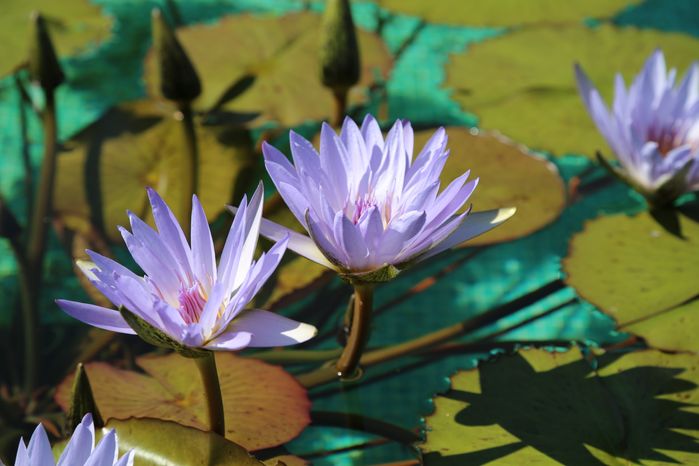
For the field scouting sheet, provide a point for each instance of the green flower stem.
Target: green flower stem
(360, 327)
(212, 389)
(41, 217)
(326, 374)
(340, 100)
(191, 183)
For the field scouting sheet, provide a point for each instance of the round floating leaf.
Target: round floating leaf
(107, 167)
(522, 83)
(264, 406)
(297, 276)
(543, 408)
(506, 12)
(281, 53)
(73, 24)
(509, 177)
(637, 271)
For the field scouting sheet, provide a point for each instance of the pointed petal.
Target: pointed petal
(203, 256)
(106, 452)
(475, 224)
(39, 449)
(80, 445)
(171, 232)
(97, 316)
(269, 329)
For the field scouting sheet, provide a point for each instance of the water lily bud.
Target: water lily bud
(82, 401)
(44, 67)
(339, 51)
(178, 78)
(9, 227)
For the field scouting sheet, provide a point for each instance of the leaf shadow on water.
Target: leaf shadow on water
(632, 415)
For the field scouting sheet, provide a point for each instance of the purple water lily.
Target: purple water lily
(184, 294)
(653, 126)
(80, 450)
(367, 204)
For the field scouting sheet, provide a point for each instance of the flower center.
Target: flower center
(192, 303)
(668, 138)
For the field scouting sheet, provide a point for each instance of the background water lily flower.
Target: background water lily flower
(80, 450)
(367, 205)
(652, 127)
(184, 294)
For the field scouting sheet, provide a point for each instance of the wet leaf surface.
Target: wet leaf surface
(73, 25)
(264, 406)
(536, 407)
(635, 270)
(522, 83)
(506, 12)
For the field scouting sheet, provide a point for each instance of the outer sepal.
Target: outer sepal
(384, 274)
(82, 402)
(156, 337)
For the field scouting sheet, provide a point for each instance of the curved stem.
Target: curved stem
(359, 331)
(340, 99)
(31, 273)
(191, 180)
(212, 389)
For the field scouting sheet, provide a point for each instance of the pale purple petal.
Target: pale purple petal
(230, 341)
(203, 256)
(39, 449)
(97, 316)
(106, 452)
(80, 445)
(171, 232)
(269, 329)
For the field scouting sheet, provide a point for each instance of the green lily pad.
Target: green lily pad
(73, 24)
(264, 406)
(508, 177)
(296, 278)
(282, 54)
(543, 408)
(641, 274)
(506, 12)
(522, 83)
(105, 169)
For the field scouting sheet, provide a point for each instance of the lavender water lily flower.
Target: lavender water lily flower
(369, 208)
(184, 296)
(652, 128)
(80, 450)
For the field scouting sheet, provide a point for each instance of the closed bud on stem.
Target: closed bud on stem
(9, 226)
(179, 80)
(82, 401)
(43, 64)
(339, 51)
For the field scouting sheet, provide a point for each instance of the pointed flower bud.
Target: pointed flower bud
(82, 401)
(179, 80)
(339, 52)
(44, 67)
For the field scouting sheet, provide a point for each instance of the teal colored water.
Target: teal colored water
(111, 73)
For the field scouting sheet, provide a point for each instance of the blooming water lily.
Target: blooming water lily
(652, 127)
(184, 294)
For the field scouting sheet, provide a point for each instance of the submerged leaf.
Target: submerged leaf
(282, 54)
(543, 408)
(522, 83)
(635, 270)
(264, 406)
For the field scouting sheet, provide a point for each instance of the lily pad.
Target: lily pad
(522, 83)
(296, 278)
(282, 55)
(105, 169)
(642, 275)
(264, 406)
(509, 177)
(73, 24)
(543, 408)
(506, 12)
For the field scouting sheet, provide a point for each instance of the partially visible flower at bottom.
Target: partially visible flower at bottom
(185, 301)
(80, 450)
